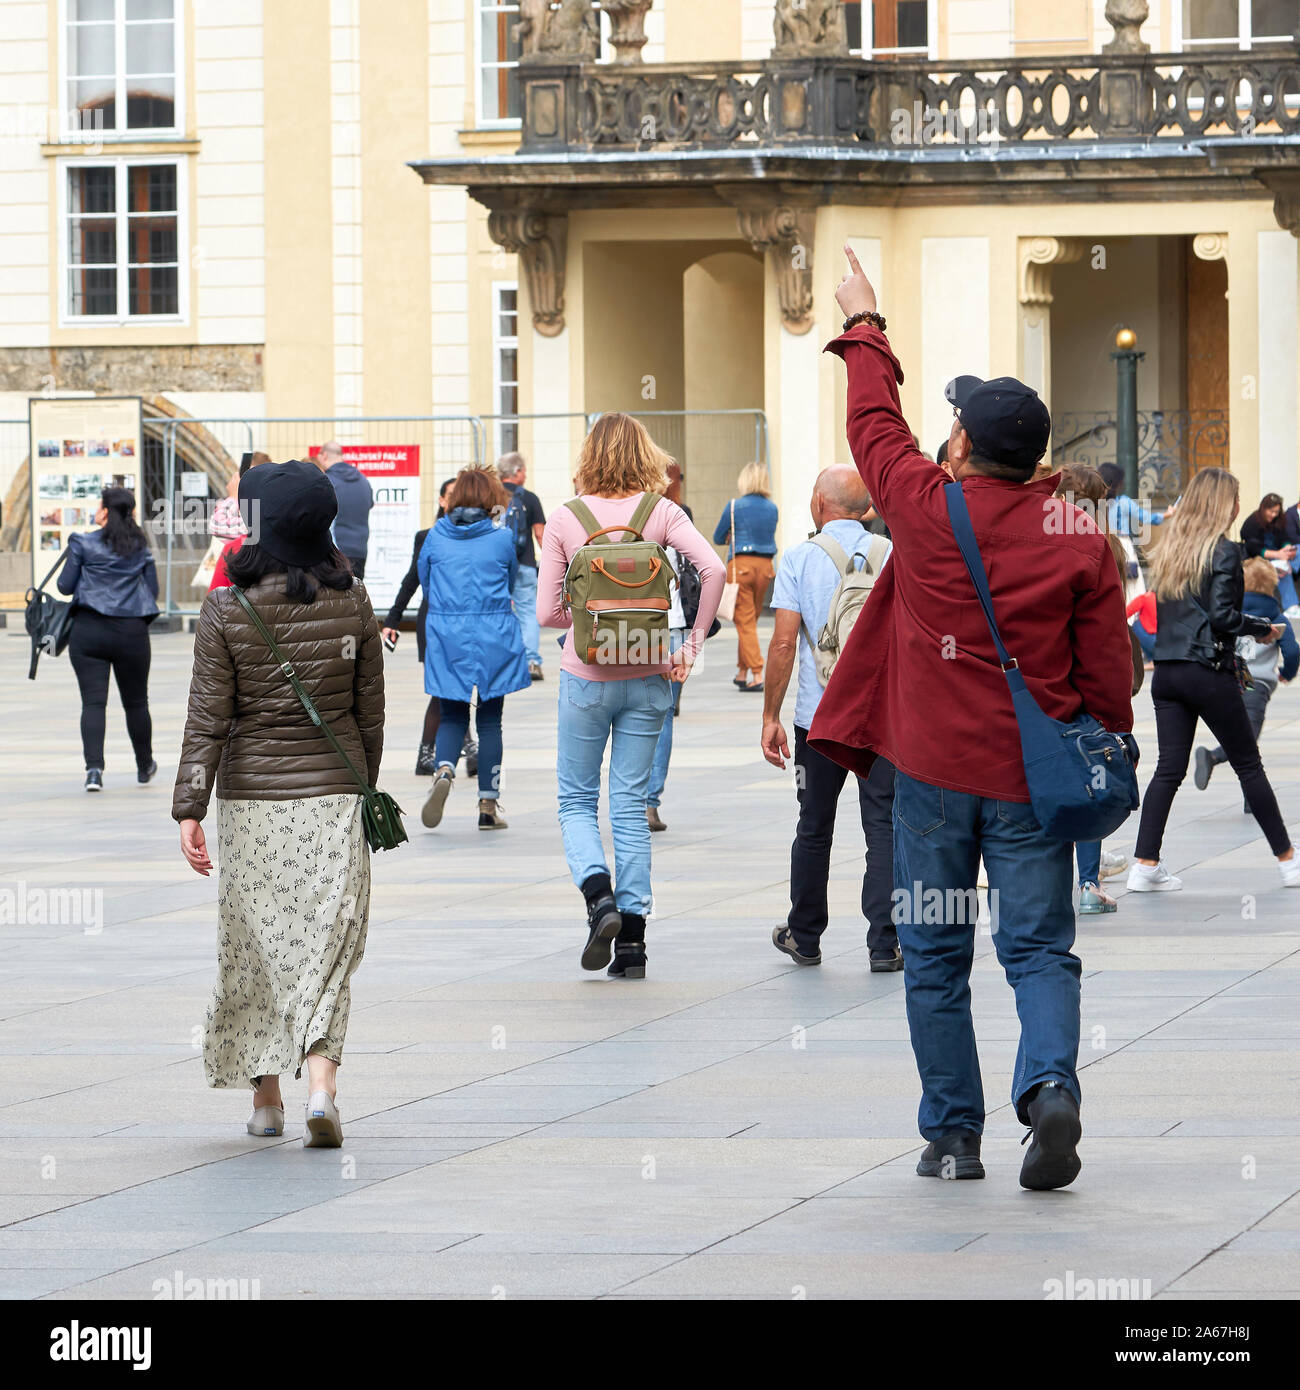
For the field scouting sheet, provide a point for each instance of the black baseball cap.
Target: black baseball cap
(289, 509)
(1006, 420)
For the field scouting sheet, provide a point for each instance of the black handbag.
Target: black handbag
(48, 619)
(381, 816)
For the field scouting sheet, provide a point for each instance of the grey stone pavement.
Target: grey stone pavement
(732, 1127)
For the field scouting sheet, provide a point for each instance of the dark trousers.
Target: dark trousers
(1255, 702)
(1183, 692)
(453, 724)
(97, 646)
(358, 563)
(820, 782)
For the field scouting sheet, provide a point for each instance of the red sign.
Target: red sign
(381, 460)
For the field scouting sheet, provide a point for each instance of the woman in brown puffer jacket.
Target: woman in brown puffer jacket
(294, 864)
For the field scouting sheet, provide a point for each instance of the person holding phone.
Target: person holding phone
(1263, 533)
(1196, 572)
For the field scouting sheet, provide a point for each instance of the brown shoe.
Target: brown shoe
(489, 815)
(652, 818)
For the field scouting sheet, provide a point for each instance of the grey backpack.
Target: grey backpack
(847, 600)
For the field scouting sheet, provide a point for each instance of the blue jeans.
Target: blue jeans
(627, 714)
(664, 748)
(1089, 857)
(939, 836)
(452, 725)
(524, 594)
(1146, 640)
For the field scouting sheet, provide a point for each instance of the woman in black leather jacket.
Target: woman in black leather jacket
(111, 576)
(1196, 574)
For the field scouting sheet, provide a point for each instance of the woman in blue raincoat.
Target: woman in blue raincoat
(472, 637)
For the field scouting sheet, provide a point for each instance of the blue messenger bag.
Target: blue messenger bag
(1082, 778)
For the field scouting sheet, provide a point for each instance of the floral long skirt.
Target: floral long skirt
(294, 899)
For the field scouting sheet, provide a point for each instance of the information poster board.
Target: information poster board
(79, 446)
(394, 474)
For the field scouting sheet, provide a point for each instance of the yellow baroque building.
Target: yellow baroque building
(469, 225)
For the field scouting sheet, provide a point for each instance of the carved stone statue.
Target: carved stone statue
(809, 29)
(1127, 17)
(563, 32)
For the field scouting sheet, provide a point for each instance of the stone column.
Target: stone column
(1284, 308)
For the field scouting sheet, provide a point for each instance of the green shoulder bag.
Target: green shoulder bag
(381, 816)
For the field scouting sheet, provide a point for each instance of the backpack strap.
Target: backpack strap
(839, 556)
(636, 522)
(585, 515)
(877, 554)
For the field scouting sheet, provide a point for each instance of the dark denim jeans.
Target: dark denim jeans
(939, 837)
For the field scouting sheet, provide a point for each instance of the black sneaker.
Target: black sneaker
(425, 762)
(94, 779)
(604, 921)
(628, 962)
(1052, 1160)
(886, 960)
(146, 774)
(1204, 767)
(783, 940)
(956, 1155)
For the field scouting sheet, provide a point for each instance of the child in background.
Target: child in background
(1142, 613)
(1262, 600)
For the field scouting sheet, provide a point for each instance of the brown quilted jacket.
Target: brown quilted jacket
(246, 734)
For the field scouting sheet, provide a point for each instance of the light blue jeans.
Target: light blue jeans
(524, 594)
(627, 714)
(664, 749)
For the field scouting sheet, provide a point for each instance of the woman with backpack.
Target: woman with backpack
(472, 637)
(113, 580)
(1196, 572)
(604, 577)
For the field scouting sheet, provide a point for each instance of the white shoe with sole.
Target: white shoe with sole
(1152, 878)
(1290, 871)
(324, 1128)
(1113, 862)
(267, 1121)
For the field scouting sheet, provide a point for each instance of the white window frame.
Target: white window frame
(1245, 39)
(500, 342)
(482, 64)
(71, 127)
(930, 52)
(67, 319)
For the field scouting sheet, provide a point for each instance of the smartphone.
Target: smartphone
(389, 643)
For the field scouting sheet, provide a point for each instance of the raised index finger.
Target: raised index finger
(853, 260)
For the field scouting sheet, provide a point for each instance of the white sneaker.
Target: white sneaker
(1112, 863)
(1293, 612)
(1152, 878)
(1290, 871)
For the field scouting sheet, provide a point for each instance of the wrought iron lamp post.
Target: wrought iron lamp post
(1126, 358)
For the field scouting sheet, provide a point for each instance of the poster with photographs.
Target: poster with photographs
(79, 446)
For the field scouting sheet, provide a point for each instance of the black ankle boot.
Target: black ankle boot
(628, 962)
(604, 921)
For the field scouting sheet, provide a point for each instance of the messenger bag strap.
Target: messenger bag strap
(40, 588)
(959, 516)
(312, 713)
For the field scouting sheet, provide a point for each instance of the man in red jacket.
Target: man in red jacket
(919, 683)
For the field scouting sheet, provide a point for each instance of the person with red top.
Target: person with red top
(1143, 612)
(919, 684)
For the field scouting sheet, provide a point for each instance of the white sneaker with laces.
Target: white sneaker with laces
(1290, 871)
(1152, 878)
(1113, 862)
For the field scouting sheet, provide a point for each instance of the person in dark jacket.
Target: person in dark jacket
(113, 580)
(919, 684)
(1268, 663)
(294, 890)
(473, 640)
(1264, 533)
(1196, 572)
(355, 498)
(425, 765)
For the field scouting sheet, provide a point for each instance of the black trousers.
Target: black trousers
(97, 646)
(1183, 692)
(820, 783)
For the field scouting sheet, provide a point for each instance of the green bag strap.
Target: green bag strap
(588, 518)
(636, 522)
(312, 713)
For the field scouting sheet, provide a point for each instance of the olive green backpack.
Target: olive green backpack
(619, 593)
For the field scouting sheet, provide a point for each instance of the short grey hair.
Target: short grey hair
(510, 464)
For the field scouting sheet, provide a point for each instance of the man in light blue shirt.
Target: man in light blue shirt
(805, 586)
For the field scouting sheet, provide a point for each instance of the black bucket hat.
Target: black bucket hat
(289, 509)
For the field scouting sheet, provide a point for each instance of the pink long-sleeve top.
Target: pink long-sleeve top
(668, 525)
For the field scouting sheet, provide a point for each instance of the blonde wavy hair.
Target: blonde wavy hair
(619, 458)
(754, 479)
(1183, 546)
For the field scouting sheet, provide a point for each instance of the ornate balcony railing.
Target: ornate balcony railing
(1172, 445)
(1210, 94)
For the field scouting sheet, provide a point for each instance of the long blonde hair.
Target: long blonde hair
(1183, 546)
(754, 479)
(619, 458)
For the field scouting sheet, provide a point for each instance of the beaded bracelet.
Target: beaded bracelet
(867, 316)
